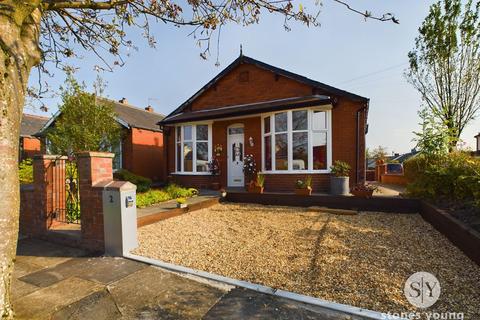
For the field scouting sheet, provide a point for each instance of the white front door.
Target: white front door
(235, 156)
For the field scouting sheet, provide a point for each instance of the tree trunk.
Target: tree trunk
(19, 52)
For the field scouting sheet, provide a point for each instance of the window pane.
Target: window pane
(300, 150)
(319, 120)
(202, 156)
(299, 120)
(235, 130)
(319, 150)
(187, 157)
(281, 152)
(179, 133)
(179, 157)
(268, 153)
(281, 122)
(266, 124)
(187, 133)
(202, 132)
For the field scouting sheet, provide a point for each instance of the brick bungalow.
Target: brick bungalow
(141, 148)
(292, 125)
(29, 144)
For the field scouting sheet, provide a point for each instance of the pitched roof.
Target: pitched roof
(137, 117)
(244, 59)
(127, 115)
(31, 124)
(247, 109)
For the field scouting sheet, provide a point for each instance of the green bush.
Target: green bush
(340, 169)
(25, 171)
(454, 177)
(151, 197)
(143, 184)
(175, 191)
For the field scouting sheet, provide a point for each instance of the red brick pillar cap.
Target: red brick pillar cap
(49, 157)
(95, 154)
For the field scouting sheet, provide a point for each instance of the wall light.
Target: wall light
(250, 140)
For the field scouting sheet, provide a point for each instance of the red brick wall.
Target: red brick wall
(30, 147)
(143, 153)
(263, 85)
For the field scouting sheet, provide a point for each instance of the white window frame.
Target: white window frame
(194, 148)
(309, 170)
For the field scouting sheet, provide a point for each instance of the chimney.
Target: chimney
(149, 109)
(123, 100)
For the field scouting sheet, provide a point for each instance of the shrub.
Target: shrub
(340, 169)
(151, 197)
(455, 177)
(25, 171)
(175, 191)
(143, 184)
(260, 180)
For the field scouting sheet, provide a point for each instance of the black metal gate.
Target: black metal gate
(65, 191)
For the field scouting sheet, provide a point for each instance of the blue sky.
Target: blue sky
(367, 58)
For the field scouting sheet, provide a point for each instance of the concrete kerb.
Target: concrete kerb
(365, 313)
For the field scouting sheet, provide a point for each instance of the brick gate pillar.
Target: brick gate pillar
(94, 172)
(40, 200)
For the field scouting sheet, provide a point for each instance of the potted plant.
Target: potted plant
(182, 203)
(257, 185)
(214, 169)
(339, 181)
(363, 190)
(223, 193)
(249, 169)
(304, 188)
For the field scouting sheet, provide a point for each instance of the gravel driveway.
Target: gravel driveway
(360, 260)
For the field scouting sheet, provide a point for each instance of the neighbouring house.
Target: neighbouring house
(293, 126)
(30, 145)
(476, 153)
(141, 148)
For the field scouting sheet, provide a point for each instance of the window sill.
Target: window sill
(191, 173)
(296, 172)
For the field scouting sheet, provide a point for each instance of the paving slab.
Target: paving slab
(21, 268)
(20, 289)
(246, 304)
(163, 295)
(98, 305)
(45, 254)
(99, 269)
(41, 304)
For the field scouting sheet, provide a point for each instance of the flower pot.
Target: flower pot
(304, 192)
(362, 193)
(339, 186)
(255, 189)
(215, 186)
(182, 205)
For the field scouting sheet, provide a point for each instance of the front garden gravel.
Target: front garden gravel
(361, 260)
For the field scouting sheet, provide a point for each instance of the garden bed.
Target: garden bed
(172, 191)
(361, 260)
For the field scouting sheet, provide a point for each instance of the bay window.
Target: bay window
(296, 141)
(193, 148)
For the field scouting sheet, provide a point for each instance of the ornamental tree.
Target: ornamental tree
(35, 32)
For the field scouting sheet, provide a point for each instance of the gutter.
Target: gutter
(357, 142)
(351, 310)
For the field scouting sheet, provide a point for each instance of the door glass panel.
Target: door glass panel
(202, 156)
(299, 120)
(281, 122)
(281, 152)
(187, 157)
(202, 132)
(319, 150)
(300, 150)
(235, 131)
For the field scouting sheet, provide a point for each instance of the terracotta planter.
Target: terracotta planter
(255, 189)
(215, 186)
(362, 193)
(304, 192)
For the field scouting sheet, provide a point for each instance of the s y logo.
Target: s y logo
(422, 289)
